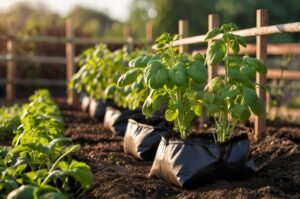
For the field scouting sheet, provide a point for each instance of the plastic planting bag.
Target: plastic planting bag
(116, 120)
(97, 108)
(191, 162)
(85, 103)
(141, 140)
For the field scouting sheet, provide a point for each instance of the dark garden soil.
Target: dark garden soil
(117, 175)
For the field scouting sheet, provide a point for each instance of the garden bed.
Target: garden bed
(117, 175)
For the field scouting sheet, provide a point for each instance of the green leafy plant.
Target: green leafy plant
(276, 87)
(39, 163)
(230, 98)
(9, 120)
(98, 75)
(171, 78)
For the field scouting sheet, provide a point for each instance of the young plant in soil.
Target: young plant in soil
(9, 120)
(230, 98)
(171, 79)
(39, 163)
(99, 69)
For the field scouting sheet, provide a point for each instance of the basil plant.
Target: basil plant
(171, 79)
(232, 97)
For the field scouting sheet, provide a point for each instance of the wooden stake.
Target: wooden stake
(261, 53)
(11, 65)
(149, 32)
(70, 55)
(126, 32)
(213, 22)
(183, 31)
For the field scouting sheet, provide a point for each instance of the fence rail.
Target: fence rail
(250, 32)
(272, 49)
(63, 40)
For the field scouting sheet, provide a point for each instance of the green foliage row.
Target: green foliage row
(9, 120)
(98, 76)
(39, 163)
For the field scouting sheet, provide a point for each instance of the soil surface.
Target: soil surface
(117, 175)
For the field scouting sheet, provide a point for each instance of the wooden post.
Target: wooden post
(126, 31)
(70, 63)
(149, 32)
(183, 31)
(127, 36)
(11, 65)
(213, 22)
(261, 53)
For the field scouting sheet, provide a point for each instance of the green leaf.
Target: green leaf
(171, 113)
(213, 108)
(137, 62)
(178, 77)
(110, 90)
(251, 98)
(257, 108)
(208, 98)
(45, 189)
(211, 34)
(216, 84)
(240, 111)
(128, 78)
(235, 47)
(198, 109)
(24, 191)
(53, 195)
(81, 172)
(248, 72)
(158, 101)
(255, 63)
(241, 40)
(215, 53)
(53, 143)
(197, 72)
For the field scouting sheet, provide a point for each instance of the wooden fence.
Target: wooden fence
(261, 49)
(69, 60)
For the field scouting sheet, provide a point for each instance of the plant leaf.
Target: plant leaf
(171, 113)
(211, 34)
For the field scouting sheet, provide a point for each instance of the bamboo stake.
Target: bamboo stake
(183, 29)
(11, 65)
(261, 53)
(70, 64)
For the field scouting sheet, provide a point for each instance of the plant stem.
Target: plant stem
(55, 165)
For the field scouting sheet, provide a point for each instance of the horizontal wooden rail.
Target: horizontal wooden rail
(75, 40)
(275, 74)
(273, 49)
(35, 59)
(250, 32)
(40, 82)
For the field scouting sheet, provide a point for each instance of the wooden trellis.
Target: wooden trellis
(260, 49)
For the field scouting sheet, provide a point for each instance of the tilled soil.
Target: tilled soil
(117, 175)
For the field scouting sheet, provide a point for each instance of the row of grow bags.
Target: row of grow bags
(186, 163)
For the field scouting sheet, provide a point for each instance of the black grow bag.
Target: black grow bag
(116, 120)
(141, 140)
(191, 162)
(97, 108)
(85, 103)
